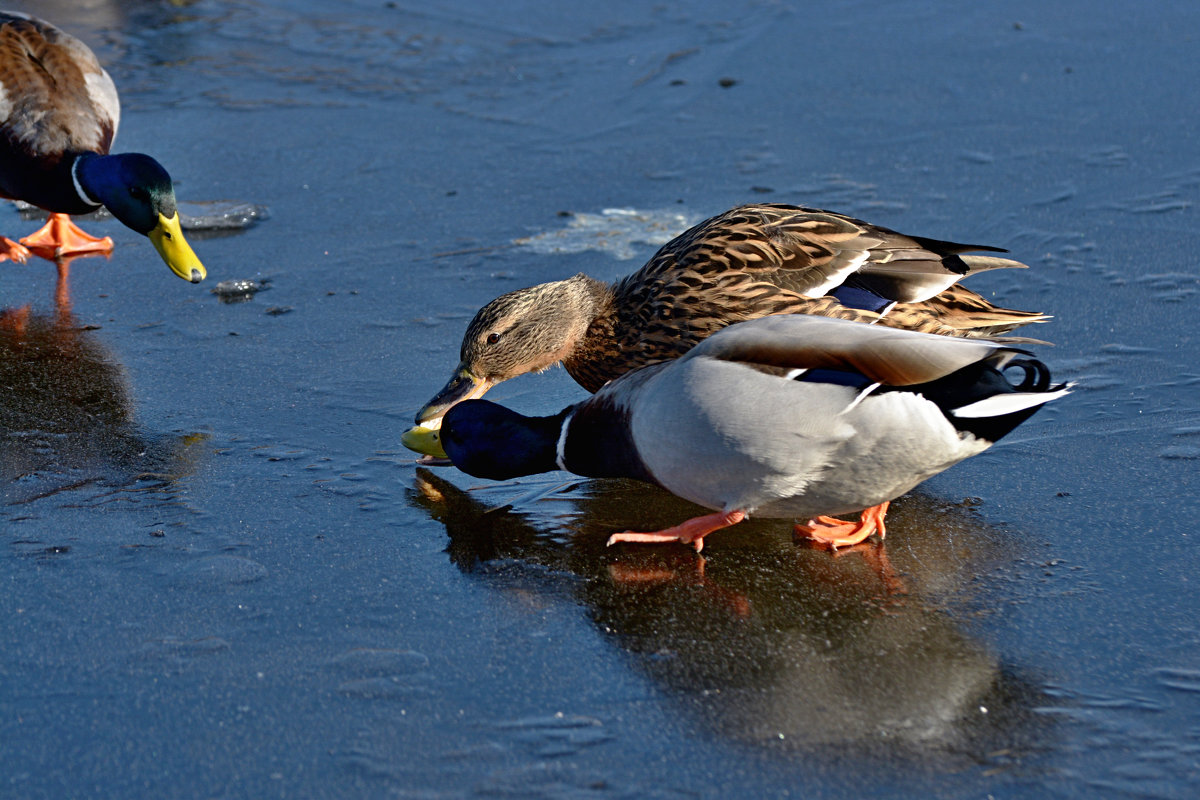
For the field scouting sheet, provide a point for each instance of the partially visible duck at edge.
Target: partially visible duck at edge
(786, 416)
(750, 262)
(59, 113)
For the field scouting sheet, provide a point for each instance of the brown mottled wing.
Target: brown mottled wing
(57, 98)
(960, 310)
(887, 355)
(785, 246)
(758, 260)
(811, 252)
(727, 269)
(664, 317)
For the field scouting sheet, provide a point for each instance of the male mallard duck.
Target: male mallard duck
(750, 262)
(784, 416)
(58, 116)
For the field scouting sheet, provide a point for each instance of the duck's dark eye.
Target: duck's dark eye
(493, 338)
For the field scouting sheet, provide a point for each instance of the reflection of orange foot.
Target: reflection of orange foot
(629, 576)
(61, 237)
(834, 533)
(876, 557)
(690, 532)
(625, 574)
(15, 319)
(13, 250)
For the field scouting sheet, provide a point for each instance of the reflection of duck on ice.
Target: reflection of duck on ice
(773, 644)
(66, 418)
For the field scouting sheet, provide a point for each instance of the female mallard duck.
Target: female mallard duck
(58, 116)
(749, 262)
(785, 416)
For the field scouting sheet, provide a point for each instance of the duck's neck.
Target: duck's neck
(596, 441)
(89, 175)
(593, 298)
(591, 343)
(529, 448)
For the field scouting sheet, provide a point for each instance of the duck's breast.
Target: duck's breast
(900, 439)
(725, 435)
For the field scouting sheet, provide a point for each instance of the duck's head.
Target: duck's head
(528, 330)
(138, 192)
(490, 441)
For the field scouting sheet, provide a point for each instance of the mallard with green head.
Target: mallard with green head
(750, 262)
(786, 416)
(58, 116)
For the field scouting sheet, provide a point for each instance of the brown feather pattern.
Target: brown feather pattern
(44, 74)
(750, 262)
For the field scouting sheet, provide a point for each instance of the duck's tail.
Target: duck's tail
(958, 311)
(985, 401)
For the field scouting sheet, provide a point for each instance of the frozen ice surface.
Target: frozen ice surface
(220, 215)
(239, 290)
(613, 230)
(214, 215)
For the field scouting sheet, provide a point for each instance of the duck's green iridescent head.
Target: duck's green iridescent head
(490, 441)
(138, 192)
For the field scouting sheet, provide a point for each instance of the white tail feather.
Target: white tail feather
(1001, 404)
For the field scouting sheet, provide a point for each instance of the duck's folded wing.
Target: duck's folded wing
(812, 252)
(59, 98)
(916, 275)
(821, 250)
(887, 355)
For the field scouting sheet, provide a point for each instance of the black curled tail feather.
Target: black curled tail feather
(983, 400)
(1035, 377)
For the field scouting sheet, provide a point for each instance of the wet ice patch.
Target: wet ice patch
(370, 662)
(239, 290)
(223, 570)
(614, 230)
(1169, 287)
(382, 687)
(220, 215)
(215, 215)
(557, 734)
(177, 648)
(1110, 156)
(1179, 678)
(1186, 452)
(380, 674)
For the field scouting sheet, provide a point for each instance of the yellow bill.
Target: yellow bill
(167, 238)
(424, 440)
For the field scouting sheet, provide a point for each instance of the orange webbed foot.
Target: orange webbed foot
(690, 532)
(13, 250)
(61, 237)
(834, 533)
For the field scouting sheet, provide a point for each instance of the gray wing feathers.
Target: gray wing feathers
(890, 356)
(914, 277)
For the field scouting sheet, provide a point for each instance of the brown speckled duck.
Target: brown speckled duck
(59, 112)
(752, 261)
